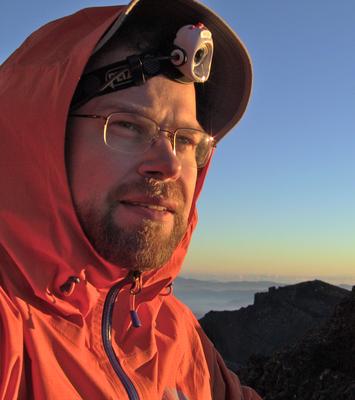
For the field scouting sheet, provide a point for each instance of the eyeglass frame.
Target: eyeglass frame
(171, 135)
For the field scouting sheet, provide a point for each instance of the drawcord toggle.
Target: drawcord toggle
(68, 287)
(135, 289)
(168, 290)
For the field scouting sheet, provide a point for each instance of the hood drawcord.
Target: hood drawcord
(135, 289)
(68, 287)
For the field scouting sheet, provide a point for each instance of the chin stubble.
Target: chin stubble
(143, 247)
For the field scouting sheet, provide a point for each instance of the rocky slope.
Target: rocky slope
(319, 367)
(277, 318)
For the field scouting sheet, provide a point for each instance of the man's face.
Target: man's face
(133, 207)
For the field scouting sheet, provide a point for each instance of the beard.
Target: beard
(144, 246)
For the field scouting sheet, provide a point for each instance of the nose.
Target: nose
(160, 161)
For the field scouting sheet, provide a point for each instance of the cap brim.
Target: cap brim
(222, 100)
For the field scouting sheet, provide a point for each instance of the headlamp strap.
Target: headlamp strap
(135, 70)
(189, 60)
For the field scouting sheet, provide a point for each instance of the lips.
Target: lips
(152, 204)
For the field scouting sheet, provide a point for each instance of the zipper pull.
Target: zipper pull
(135, 289)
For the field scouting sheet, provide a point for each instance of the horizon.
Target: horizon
(277, 279)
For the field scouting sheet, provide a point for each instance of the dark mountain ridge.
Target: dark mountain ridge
(280, 317)
(321, 366)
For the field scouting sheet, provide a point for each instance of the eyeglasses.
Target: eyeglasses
(132, 133)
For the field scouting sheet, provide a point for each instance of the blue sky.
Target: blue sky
(280, 198)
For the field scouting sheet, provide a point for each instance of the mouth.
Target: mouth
(149, 206)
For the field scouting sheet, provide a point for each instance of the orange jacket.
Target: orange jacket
(77, 341)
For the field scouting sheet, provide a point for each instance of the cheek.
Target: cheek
(88, 170)
(97, 173)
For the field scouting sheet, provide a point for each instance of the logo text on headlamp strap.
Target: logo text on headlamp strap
(116, 76)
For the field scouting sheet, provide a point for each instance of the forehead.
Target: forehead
(160, 98)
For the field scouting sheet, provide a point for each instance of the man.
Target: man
(100, 179)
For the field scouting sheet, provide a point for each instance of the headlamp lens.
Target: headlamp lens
(200, 55)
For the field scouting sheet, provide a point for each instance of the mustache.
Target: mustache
(151, 188)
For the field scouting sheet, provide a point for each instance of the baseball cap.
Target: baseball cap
(222, 100)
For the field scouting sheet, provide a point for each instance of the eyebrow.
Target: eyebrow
(117, 106)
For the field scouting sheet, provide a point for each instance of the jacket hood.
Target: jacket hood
(42, 242)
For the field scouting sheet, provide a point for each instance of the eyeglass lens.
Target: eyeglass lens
(132, 133)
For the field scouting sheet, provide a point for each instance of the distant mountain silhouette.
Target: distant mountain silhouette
(280, 317)
(202, 295)
(319, 367)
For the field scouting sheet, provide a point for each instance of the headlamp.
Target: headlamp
(189, 61)
(193, 53)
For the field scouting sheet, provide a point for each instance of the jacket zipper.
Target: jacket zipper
(106, 330)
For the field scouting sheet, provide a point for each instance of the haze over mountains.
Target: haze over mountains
(203, 296)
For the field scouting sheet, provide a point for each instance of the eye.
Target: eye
(123, 126)
(187, 137)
